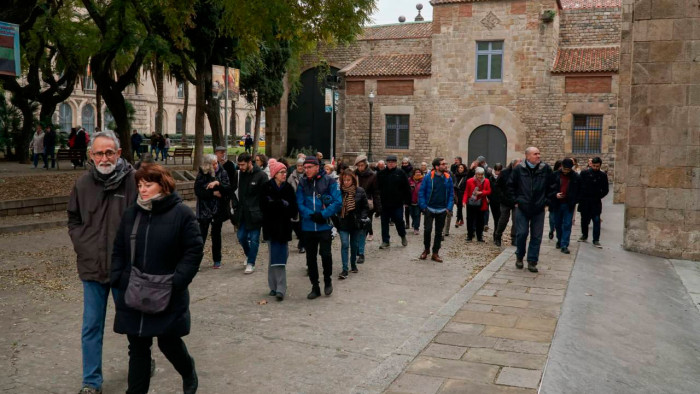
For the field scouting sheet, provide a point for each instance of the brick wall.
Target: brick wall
(587, 27)
(395, 88)
(588, 84)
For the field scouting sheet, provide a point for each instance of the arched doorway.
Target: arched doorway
(308, 122)
(488, 141)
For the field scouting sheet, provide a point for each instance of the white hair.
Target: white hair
(479, 170)
(106, 134)
(205, 165)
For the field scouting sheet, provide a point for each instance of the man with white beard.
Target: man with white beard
(97, 202)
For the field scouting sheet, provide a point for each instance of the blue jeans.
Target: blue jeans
(585, 221)
(350, 239)
(250, 241)
(534, 226)
(395, 215)
(164, 153)
(415, 217)
(95, 296)
(43, 157)
(562, 223)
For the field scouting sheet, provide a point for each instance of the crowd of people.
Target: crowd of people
(136, 239)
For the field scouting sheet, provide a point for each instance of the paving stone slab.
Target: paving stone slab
(533, 323)
(465, 387)
(477, 307)
(511, 345)
(503, 358)
(518, 288)
(539, 313)
(453, 369)
(503, 301)
(539, 290)
(517, 334)
(530, 296)
(444, 351)
(464, 328)
(409, 383)
(468, 340)
(519, 377)
(487, 318)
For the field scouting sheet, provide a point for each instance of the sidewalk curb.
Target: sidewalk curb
(388, 370)
(33, 226)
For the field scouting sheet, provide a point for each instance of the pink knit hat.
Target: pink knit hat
(275, 167)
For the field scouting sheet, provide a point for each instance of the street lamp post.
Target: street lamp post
(371, 105)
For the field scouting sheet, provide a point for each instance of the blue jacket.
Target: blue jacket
(426, 190)
(320, 194)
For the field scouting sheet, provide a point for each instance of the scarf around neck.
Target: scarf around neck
(148, 204)
(349, 200)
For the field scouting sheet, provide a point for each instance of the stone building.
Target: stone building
(80, 108)
(486, 77)
(658, 146)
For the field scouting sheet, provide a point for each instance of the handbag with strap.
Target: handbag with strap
(473, 200)
(146, 292)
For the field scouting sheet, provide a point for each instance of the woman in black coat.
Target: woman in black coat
(351, 221)
(279, 207)
(167, 241)
(212, 188)
(459, 186)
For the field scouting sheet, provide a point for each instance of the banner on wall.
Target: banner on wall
(223, 80)
(9, 49)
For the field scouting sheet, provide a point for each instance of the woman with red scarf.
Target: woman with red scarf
(475, 198)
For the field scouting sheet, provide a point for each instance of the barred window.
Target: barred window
(397, 131)
(489, 61)
(587, 133)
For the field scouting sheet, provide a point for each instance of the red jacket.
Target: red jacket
(485, 189)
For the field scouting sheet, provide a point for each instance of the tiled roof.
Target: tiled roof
(390, 65)
(398, 31)
(437, 2)
(583, 4)
(581, 60)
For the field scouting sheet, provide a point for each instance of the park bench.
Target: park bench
(181, 152)
(69, 154)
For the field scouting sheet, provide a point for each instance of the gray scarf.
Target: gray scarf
(148, 204)
(113, 180)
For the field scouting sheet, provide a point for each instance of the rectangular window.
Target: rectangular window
(588, 133)
(88, 84)
(397, 131)
(180, 90)
(489, 61)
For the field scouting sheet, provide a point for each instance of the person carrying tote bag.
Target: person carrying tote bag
(157, 251)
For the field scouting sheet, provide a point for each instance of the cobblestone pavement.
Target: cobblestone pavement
(498, 341)
(243, 340)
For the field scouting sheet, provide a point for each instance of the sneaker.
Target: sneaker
(469, 239)
(480, 240)
(416, 232)
(272, 293)
(497, 242)
(354, 269)
(280, 296)
(532, 267)
(343, 275)
(404, 241)
(583, 238)
(565, 250)
(249, 268)
(370, 237)
(361, 259)
(315, 293)
(89, 390)
(518, 262)
(328, 289)
(217, 265)
(384, 245)
(597, 244)
(302, 250)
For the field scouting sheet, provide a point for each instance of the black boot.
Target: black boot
(190, 384)
(518, 262)
(315, 292)
(328, 288)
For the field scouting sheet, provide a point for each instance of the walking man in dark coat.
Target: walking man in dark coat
(395, 193)
(97, 202)
(50, 145)
(563, 196)
(528, 184)
(248, 212)
(594, 186)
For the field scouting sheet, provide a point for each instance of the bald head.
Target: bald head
(532, 155)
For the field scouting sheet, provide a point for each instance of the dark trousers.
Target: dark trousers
(407, 216)
(506, 213)
(50, 151)
(215, 236)
(475, 222)
(396, 216)
(534, 226)
(318, 242)
(586, 221)
(460, 209)
(415, 216)
(173, 349)
(496, 212)
(296, 226)
(439, 219)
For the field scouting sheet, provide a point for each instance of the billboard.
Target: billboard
(9, 49)
(220, 80)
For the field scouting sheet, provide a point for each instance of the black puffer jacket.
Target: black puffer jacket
(529, 187)
(356, 219)
(368, 181)
(459, 185)
(247, 207)
(394, 188)
(502, 186)
(209, 206)
(594, 186)
(167, 242)
(572, 190)
(277, 217)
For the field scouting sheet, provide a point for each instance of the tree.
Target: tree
(54, 47)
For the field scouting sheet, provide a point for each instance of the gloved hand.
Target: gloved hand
(318, 218)
(285, 203)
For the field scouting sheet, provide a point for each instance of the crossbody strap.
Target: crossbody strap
(133, 237)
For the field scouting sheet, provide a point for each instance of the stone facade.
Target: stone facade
(530, 104)
(143, 97)
(662, 128)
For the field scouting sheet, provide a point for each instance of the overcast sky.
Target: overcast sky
(388, 11)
